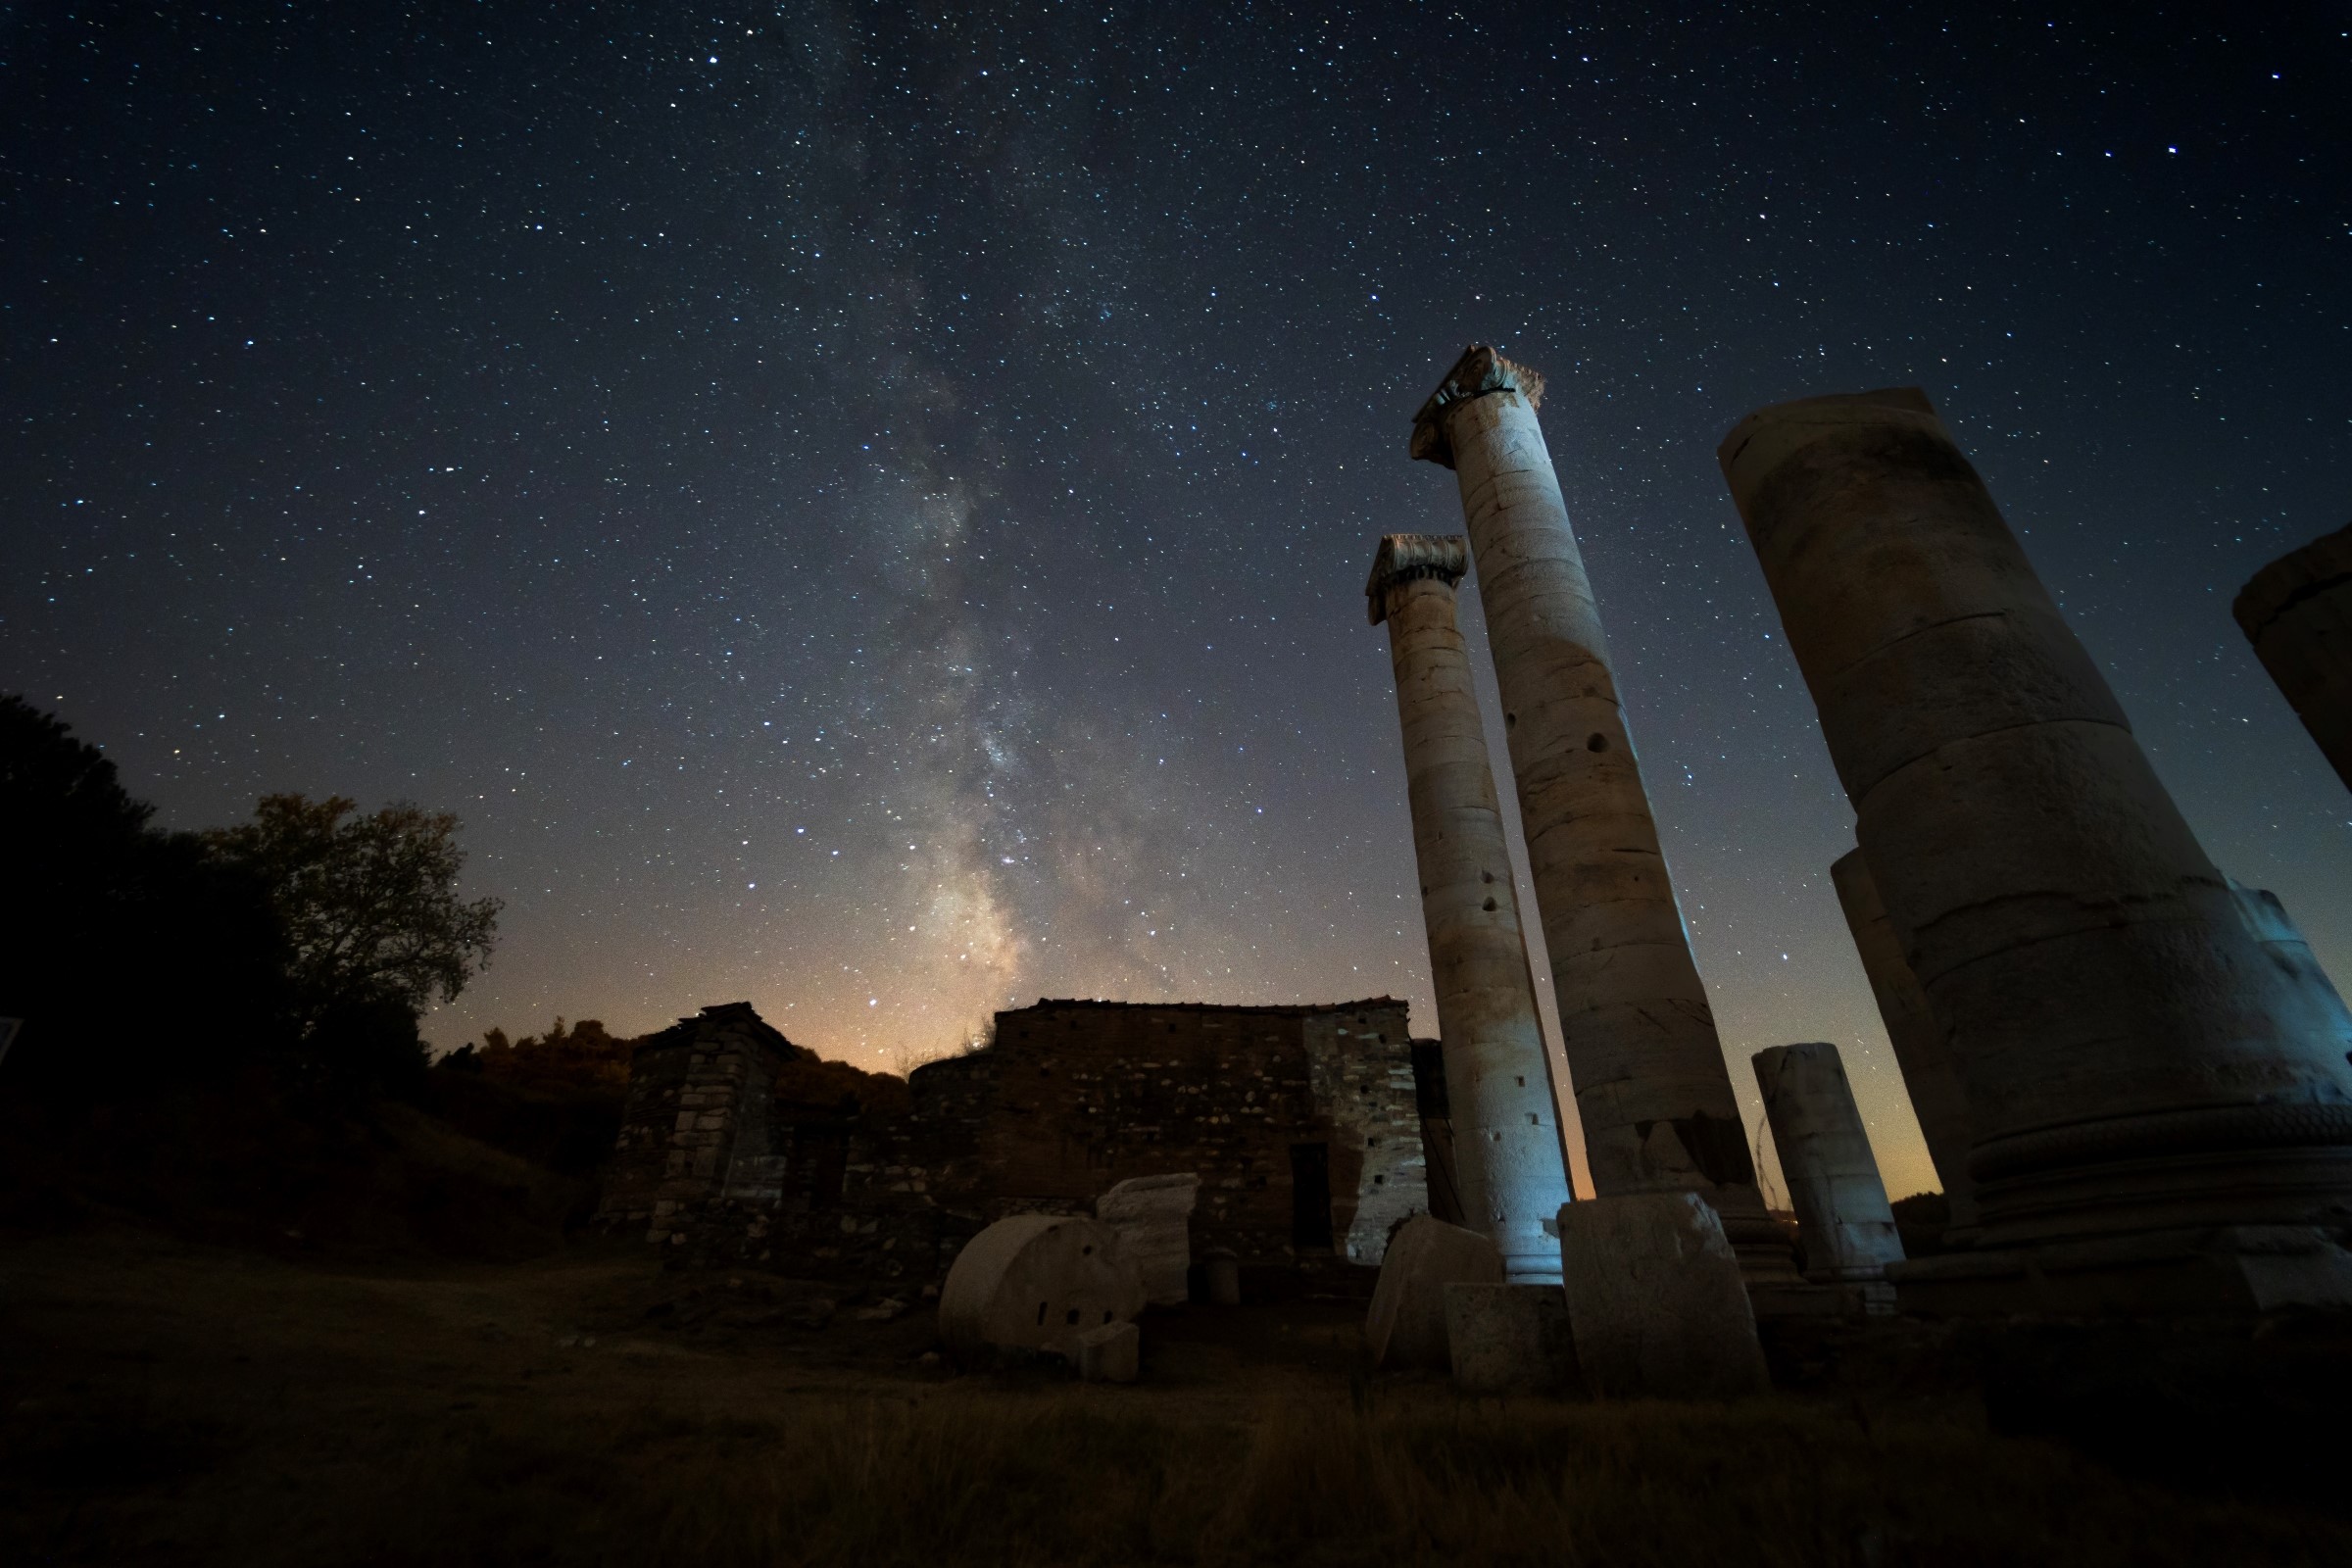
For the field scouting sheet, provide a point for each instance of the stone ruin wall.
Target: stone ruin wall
(1091, 1093)
(1361, 1070)
(1071, 1098)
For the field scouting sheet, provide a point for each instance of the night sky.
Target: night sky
(865, 509)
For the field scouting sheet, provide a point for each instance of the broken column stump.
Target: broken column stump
(1655, 1300)
(1510, 1338)
(1036, 1283)
(1406, 1326)
(2159, 1111)
(1843, 1216)
(1153, 1216)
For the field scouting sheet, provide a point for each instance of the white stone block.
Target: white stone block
(1655, 1300)
(1153, 1215)
(1406, 1326)
(1037, 1282)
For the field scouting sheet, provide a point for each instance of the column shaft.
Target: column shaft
(1834, 1184)
(2135, 1060)
(1651, 1085)
(1937, 1096)
(2297, 613)
(1509, 1160)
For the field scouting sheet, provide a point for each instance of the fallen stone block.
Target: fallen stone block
(1111, 1353)
(1655, 1302)
(1510, 1338)
(1036, 1283)
(1153, 1216)
(1406, 1326)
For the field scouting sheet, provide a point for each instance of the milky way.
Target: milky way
(864, 508)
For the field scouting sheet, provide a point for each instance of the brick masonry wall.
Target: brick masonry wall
(1072, 1097)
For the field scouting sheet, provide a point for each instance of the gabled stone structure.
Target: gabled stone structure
(700, 1092)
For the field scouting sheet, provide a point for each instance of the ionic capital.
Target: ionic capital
(1405, 556)
(1479, 371)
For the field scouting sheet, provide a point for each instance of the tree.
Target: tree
(134, 957)
(369, 903)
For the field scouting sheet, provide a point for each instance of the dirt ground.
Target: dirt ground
(166, 1401)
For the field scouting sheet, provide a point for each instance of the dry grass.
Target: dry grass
(1012, 1476)
(201, 1407)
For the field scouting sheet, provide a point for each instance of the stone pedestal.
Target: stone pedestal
(1406, 1326)
(1510, 1165)
(2297, 613)
(1153, 1216)
(2135, 1061)
(1510, 1338)
(1920, 1049)
(1655, 1300)
(1843, 1222)
(1651, 1087)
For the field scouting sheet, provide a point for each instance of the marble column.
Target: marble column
(2137, 1063)
(1938, 1099)
(1651, 1086)
(1843, 1216)
(2283, 941)
(2297, 613)
(1510, 1165)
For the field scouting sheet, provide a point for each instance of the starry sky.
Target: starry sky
(864, 507)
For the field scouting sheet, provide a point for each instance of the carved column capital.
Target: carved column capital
(1405, 556)
(1479, 371)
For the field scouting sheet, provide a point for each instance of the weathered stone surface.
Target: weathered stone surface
(2297, 613)
(1930, 1076)
(1406, 1326)
(1037, 1282)
(1842, 1217)
(1153, 1215)
(888, 1179)
(1652, 1088)
(2135, 1060)
(1510, 1165)
(1655, 1300)
(2298, 966)
(1510, 1338)
(1111, 1353)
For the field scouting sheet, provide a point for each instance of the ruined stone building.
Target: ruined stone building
(1306, 1124)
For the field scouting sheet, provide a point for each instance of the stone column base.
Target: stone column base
(2223, 1271)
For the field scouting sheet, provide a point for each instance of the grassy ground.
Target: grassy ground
(161, 1401)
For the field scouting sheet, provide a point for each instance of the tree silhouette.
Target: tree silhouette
(368, 902)
(136, 958)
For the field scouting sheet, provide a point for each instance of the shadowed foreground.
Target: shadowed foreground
(165, 1402)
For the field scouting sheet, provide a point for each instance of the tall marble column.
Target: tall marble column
(1651, 1086)
(1843, 1216)
(1937, 1096)
(2297, 613)
(1510, 1164)
(2137, 1064)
